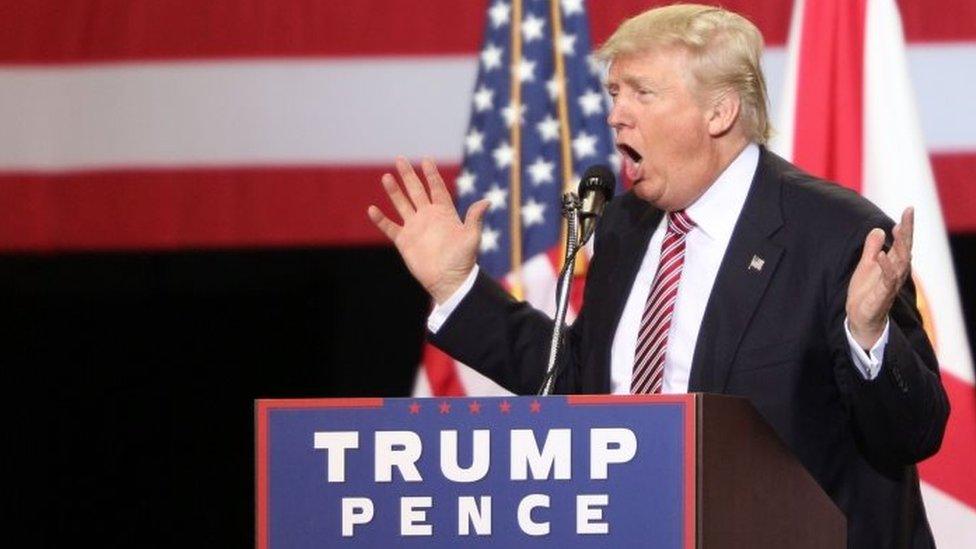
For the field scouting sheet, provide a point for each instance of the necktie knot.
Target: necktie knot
(679, 222)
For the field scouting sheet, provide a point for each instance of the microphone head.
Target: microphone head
(598, 178)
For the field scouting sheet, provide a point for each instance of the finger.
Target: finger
(415, 188)
(475, 215)
(873, 243)
(907, 232)
(399, 200)
(890, 272)
(438, 190)
(389, 228)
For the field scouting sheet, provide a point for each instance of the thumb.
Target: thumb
(872, 245)
(475, 216)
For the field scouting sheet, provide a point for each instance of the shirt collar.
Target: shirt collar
(716, 211)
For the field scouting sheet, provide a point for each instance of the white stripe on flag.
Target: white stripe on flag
(351, 111)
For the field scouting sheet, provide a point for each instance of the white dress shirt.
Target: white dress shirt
(715, 214)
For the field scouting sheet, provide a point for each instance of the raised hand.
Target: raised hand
(438, 248)
(878, 277)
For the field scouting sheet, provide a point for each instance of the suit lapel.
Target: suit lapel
(748, 265)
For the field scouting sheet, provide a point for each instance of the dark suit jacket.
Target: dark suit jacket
(775, 336)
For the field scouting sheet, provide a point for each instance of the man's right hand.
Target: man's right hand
(438, 248)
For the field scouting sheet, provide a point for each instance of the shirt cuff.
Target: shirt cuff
(868, 363)
(440, 313)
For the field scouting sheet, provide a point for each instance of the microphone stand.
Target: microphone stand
(571, 211)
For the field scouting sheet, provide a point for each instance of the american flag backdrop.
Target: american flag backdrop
(538, 119)
(142, 125)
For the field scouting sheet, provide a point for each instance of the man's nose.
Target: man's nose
(618, 116)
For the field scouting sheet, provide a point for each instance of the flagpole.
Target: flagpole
(566, 156)
(515, 135)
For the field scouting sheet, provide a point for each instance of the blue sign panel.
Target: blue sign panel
(519, 471)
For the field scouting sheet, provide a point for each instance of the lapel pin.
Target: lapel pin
(756, 264)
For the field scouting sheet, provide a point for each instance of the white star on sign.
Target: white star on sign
(465, 183)
(532, 27)
(508, 114)
(553, 86)
(491, 57)
(584, 145)
(541, 171)
(572, 6)
(567, 44)
(526, 70)
(532, 213)
(489, 239)
(503, 155)
(548, 128)
(499, 13)
(483, 98)
(473, 141)
(591, 103)
(496, 197)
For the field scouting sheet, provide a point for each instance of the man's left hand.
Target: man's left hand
(878, 277)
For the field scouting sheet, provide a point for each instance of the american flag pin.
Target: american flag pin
(756, 264)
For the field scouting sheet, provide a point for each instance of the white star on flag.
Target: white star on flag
(489, 239)
(553, 86)
(584, 145)
(473, 141)
(567, 44)
(594, 64)
(571, 7)
(508, 114)
(504, 154)
(532, 28)
(532, 212)
(548, 128)
(491, 57)
(614, 160)
(591, 102)
(483, 98)
(541, 171)
(499, 13)
(465, 183)
(526, 70)
(496, 197)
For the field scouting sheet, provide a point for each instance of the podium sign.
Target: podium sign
(512, 472)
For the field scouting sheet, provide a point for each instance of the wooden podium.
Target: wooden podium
(609, 471)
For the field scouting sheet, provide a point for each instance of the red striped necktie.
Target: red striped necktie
(652, 339)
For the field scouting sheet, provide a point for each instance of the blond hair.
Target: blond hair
(724, 49)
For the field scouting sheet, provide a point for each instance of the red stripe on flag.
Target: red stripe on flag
(442, 375)
(829, 124)
(66, 31)
(189, 208)
(180, 208)
(951, 470)
(771, 16)
(60, 31)
(945, 21)
(957, 189)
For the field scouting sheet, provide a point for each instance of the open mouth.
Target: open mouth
(631, 161)
(629, 151)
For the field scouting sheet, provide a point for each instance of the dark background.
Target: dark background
(134, 374)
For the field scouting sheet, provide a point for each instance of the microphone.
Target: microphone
(595, 190)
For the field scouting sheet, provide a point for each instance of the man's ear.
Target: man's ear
(723, 113)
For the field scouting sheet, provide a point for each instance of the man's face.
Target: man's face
(661, 128)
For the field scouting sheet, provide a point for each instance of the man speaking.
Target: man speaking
(725, 270)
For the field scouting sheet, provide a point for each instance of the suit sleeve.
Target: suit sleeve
(900, 415)
(504, 339)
